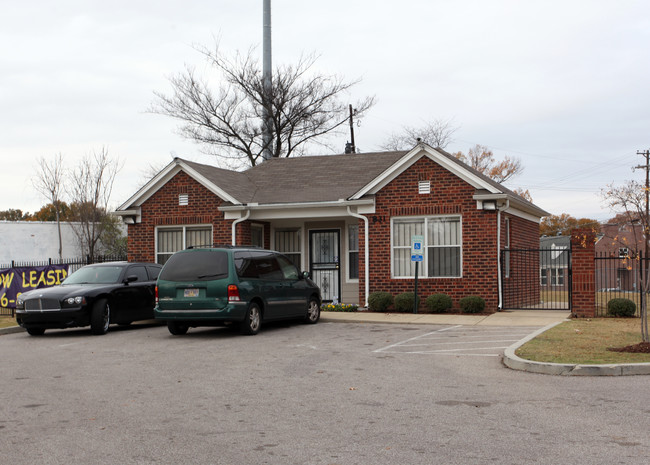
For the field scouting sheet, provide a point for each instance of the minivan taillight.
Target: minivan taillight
(156, 295)
(233, 293)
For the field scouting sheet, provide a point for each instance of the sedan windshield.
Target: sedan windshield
(95, 275)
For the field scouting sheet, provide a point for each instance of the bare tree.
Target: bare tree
(226, 119)
(48, 181)
(630, 200)
(90, 190)
(437, 133)
(482, 159)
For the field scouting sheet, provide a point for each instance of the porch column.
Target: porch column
(583, 291)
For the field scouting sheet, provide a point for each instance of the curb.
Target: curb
(517, 363)
(11, 330)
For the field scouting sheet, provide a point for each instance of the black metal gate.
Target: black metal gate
(536, 279)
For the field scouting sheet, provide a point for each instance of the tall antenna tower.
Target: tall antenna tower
(267, 122)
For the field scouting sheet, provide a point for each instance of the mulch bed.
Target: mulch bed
(640, 348)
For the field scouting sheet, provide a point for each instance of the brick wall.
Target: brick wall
(162, 209)
(449, 196)
(583, 296)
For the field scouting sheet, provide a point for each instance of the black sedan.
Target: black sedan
(95, 295)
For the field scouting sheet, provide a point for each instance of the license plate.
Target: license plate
(191, 293)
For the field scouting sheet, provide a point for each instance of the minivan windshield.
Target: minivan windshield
(197, 265)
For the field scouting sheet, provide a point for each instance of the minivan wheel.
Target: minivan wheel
(176, 328)
(252, 320)
(313, 312)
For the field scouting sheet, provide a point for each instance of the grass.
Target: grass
(6, 321)
(585, 341)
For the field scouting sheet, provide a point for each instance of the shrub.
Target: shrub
(438, 303)
(621, 307)
(339, 308)
(404, 302)
(472, 304)
(380, 301)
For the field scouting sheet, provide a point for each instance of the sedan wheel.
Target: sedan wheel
(36, 331)
(313, 312)
(100, 317)
(252, 321)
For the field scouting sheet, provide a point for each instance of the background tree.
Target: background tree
(437, 133)
(90, 188)
(49, 182)
(562, 224)
(482, 159)
(49, 212)
(14, 215)
(226, 118)
(629, 202)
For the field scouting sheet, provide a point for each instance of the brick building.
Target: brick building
(348, 219)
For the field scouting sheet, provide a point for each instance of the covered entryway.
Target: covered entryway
(324, 262)
(536, 279)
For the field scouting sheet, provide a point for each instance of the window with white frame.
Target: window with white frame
(557, 276)
(172, 239)
(287, 241)
(543, 277)
(353, 251)
(442, 243)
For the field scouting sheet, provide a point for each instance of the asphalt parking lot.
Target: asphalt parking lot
(332, 393)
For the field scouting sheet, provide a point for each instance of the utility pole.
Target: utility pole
(646, 221)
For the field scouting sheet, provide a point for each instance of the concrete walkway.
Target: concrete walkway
(505, 318)
(545, 319)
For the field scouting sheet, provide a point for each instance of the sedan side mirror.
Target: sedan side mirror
(305, 275)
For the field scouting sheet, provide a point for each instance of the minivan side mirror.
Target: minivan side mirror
(130, 279)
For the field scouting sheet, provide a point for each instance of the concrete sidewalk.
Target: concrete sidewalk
(505, 318)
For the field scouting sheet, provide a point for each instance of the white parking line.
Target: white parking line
(457, 342)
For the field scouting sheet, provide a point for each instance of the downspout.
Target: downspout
(499, 277)
(234, 226)
(366, 253)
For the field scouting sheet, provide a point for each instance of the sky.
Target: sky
(562, 85)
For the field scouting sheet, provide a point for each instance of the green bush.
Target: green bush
(438, 303)
(472, 304)
(621, 308)
(380, 301)
(404, 302)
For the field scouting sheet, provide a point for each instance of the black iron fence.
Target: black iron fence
(619, 277)
(536, 279)
(73, 265)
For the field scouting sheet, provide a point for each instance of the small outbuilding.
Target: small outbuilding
(347, 219)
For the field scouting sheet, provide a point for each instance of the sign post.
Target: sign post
(416, 256)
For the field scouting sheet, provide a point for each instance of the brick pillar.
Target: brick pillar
(583, 255)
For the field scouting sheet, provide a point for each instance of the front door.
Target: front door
(324, 262)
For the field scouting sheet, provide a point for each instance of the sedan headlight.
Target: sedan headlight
(78, 300)
(20, 303)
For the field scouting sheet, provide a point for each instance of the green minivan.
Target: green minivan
(242, 285)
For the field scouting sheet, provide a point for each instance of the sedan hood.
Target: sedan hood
(64, 291)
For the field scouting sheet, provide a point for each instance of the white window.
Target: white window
(173, 239)
(287, 241)
(623, 252)
(442, 245)
(557, 276)
(353, 251)
(543, 277)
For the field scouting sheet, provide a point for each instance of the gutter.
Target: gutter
(366, 253)
(235, 223)
(499, 277)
